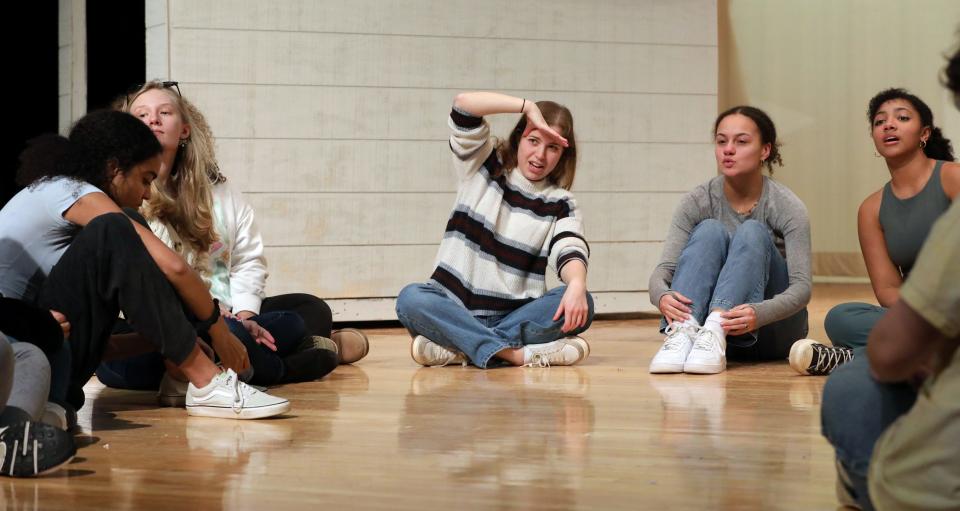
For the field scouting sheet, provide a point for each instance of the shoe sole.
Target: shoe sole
(219, 412)
(704, 368)
(666, 368)
(796, 355)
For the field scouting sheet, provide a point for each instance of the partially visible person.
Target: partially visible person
(28, 445)
(893, 222)
(893, 416)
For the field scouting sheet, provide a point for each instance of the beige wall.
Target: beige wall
(813, 65)
(330, 116)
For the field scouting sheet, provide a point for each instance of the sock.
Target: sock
(713, 324)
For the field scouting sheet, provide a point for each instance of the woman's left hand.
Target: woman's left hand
(739, 320)
(260, 334)
(573, 307)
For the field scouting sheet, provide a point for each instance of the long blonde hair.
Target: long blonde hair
(184, 202)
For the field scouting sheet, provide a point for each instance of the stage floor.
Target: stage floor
(388, 434)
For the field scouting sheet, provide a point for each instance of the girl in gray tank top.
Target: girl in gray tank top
(906, 222)
(894, 222)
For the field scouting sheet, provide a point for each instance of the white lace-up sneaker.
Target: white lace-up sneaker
(562, 352)
(707, 355)
(675, 349)
(428, 353)
(227, 397)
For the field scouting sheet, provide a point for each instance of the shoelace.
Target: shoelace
(705, 339)
(240, 392)
(448, 356)
(539, 360)
(828, 358)
(673, 331)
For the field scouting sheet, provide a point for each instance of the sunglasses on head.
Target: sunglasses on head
(166, 85)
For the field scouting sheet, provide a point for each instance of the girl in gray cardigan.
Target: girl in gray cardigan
(736, 261)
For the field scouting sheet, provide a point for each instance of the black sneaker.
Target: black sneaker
(33, 448)
(812, 358)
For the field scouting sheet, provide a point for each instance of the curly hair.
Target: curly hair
(559, 117)
(98, 142)
(938, 147)
(184, 201)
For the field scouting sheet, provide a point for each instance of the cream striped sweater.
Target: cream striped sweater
(504, 231)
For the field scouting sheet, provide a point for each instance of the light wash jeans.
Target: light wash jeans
(425, 309)
(717, 269)
(855, 411)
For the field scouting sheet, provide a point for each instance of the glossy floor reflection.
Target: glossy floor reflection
(388, 434)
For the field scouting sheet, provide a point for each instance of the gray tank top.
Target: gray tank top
(906, 222)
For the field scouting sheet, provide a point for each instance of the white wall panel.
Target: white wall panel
(331, 118)
(420, 218)
(285, 165)
(665, 22)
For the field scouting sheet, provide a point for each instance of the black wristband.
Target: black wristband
(202, 326)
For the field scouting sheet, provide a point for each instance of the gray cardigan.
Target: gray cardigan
(779, 209)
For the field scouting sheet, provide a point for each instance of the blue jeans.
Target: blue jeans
(425, 309)
(849, 324)
(717, 269)
(856, 410)
(143, 372)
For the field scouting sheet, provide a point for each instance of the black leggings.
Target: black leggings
(315, 312)
(108, 269)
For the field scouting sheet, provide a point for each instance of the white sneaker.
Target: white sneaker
(562, 352)
(674, 351)
(227, 397)
(172, 392)
(707, 355)
(428, 353)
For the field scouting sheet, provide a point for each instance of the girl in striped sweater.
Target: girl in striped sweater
(487, 300)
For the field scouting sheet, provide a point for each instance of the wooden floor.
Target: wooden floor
(388, 434)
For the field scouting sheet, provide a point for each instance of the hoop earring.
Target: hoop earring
(923, 144)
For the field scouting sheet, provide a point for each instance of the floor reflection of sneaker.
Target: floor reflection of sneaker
(353, 344)
(562, 352)
(226, 397)
(238, 438)
(428, 353)
(707, 356)
(34, 448)
(425, 381)
(674, 351)
(172, 392)
(813, 358)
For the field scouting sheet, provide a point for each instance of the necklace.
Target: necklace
(748, 210)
